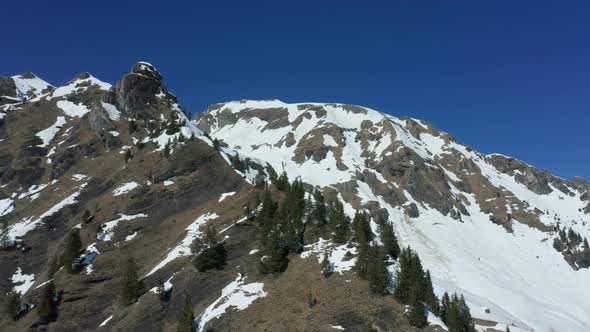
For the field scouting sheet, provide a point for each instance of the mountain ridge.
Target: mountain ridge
(487, 226)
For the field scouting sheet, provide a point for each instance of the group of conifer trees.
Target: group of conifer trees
(282, 232)
(281, 225)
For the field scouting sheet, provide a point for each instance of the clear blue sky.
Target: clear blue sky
(503, 76)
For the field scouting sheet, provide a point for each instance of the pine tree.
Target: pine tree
(210, 252)
(186, 323)
(404, 276)
(389, 240)
(341, 223)
(70, 258)
(326, 265)
(319, 210)
(129, 286)
(377, 270)
(216, 144)
(11, 305)
(417, 312)
(46, 309)
(282, 182)
(362, 228)
(445, 304)
(166, 152)
(429, 297)
(277, 252)
(260, 180)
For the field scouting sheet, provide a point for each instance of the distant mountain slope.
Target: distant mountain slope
(486, 225)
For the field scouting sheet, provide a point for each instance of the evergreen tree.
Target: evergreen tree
(377, 270)
(46, 309)
(129, 286)
(260, 180)
(282, 182)
(340, 222)
(362, 228)
(186, 323)
(389, 240)
(326, 265)
(71, 255)
(319, 209)
(11, 305)
(455, 314)
(445, 304)
(167, 149)
(429, 297)
(210, 252)
(277, 252)
(216, 144)
(417, 314)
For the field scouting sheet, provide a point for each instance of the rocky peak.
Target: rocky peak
(146, 69)
(137, 93)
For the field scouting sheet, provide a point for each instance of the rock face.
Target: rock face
(135, 94)
(7, 90)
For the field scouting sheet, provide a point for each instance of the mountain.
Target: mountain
(485, 225)
(118, 212)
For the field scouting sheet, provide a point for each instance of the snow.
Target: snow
(168, 183)
(44, 283)
(33, 192)
(434, 320)
(26, 85)
(106, 321)
(130, 236)
(46, 135)
(499, 271)
(125, 188)
(112, 111)
(71, 109)
(79, 85)
(107, 230)
(6, 206)
(23, 282)
(236, 295)
(338, 327)
(79, 177)
(28, 224)
(337, 255)
(226, 195)
(114, 133)
(253, 251)
(184, 248)
(89, 256)
(167, 286)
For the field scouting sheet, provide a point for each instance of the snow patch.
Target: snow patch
(237, 295)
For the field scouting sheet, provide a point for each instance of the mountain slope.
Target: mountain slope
(122, 166)
(485, 225)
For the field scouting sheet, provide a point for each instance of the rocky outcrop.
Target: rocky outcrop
(135, 94)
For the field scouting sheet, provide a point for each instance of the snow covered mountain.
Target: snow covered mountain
(123, 168)
(485, 225)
